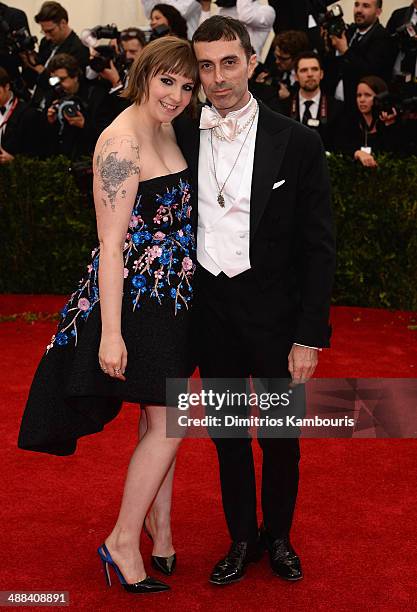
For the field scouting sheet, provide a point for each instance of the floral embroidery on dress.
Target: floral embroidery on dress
(158, 262)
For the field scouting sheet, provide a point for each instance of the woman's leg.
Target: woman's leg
(148, 467)
(158, 521)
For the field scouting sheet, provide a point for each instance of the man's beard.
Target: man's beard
(312, 86)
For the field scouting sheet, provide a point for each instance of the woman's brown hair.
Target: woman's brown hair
(168, 54)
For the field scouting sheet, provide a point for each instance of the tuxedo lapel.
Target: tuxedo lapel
(271, 143)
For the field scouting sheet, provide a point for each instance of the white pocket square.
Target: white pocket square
(278, 184)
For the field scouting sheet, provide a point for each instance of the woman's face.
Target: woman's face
(364, 98)
(158, 19)
(169, 94)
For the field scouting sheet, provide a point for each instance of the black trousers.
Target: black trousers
(238, 337)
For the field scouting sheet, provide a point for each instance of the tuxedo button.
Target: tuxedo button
(238, 252)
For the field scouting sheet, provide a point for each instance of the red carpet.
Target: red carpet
(355, 525)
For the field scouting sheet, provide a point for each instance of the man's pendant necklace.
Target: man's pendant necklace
(220, 196)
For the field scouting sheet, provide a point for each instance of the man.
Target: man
(366, 48)
(312, 106)
(14, 19)
(59, 38)
(405, 66)
(19, 124)
(71, 131)
(266, 259)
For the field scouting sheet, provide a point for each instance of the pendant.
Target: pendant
(220, 200)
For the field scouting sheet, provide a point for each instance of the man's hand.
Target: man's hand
(302, 362)
(283, 92)
(77, 121)
(262, 76)
(111, 74)
(51, 114)
(30, 60)
(5, 157)
(340, 43)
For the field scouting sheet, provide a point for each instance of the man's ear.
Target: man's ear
(252, 64)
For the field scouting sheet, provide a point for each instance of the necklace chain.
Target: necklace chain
(220, 196)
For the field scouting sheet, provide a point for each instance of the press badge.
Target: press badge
(367, 150)
(313, 123)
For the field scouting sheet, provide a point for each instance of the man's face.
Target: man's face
(365, 13)
(69, 84)
(283, 60)
(55, 32)
(224, 72)
(132, 48)
(4, 94)
(309, 74)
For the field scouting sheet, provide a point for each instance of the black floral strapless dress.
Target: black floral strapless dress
(70, 395)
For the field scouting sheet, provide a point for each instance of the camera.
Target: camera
(66, 105)
(15, 42)
(386, 102)
(106, 53)
(406, 37)
(332, 21)
(159, 31)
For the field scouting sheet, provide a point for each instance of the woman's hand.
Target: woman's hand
(366, 159)
(112, 356)
(389, 118)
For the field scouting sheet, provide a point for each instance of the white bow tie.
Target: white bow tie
(227, 125)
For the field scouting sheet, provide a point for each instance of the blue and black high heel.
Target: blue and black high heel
(148, 585)
(166, 565)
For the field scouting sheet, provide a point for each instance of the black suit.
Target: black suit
(16, 19)
(399, 17)
(246, 325)
(332, 129)
(372, 54)
(22, 134)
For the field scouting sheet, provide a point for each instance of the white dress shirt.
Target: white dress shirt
(189, 9)
(4, 115)
(258, 19)
(223, 233)
(314, 108)
(401, 55)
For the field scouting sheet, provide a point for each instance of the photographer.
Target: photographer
(372, 130)
(71, 106)
(11, 20)
(402, 26)
(364, 48)
(167, 20)
(312, 107)
(189, 9)
(19, 124)
(275, 85)
(59, 38)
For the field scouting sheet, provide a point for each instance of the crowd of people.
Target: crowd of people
(355, 84)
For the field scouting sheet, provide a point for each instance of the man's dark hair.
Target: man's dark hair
(308, 55)
(4, 77)
(223, 28)
(132, 34)
(292, 42)
(68, 62)
(51, 11)
(176, 22)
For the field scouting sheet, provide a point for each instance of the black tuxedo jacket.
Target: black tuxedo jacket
(374, 54)
(292, 249)
(399, 18)
(22, 134)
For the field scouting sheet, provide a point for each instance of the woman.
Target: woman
(165, 16)
(125, 329)
(370, 130)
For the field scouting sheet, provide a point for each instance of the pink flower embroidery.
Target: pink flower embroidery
(89, 268)
(125, 272)
(133, 221)
(83, 304)
(187, 264)
(159, 235)
(156, 251)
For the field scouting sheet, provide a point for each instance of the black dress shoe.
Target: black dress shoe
(232, 567)
(282, 557)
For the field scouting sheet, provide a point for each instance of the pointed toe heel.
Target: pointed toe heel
(148, 585)
(166, 565)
